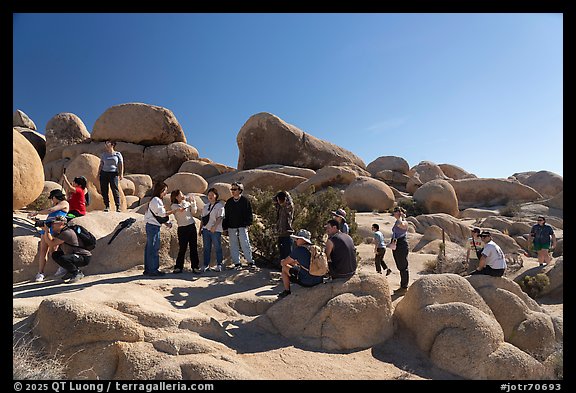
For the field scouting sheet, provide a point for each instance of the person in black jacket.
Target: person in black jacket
(237, 219)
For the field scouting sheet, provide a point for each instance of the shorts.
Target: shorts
(541, 246)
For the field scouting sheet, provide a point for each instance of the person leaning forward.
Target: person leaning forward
(70, 254)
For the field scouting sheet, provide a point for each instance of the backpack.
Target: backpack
(318, 261)
(86, 238)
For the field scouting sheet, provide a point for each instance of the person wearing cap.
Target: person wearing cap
(60, 207)
(237, 219)
(474, 247)
(542, 237)
(69, 253)
(77, 195)
(284, 216)
(291, 265)
(340, 251)
(492, 262)
(400, 252)
(340, 216)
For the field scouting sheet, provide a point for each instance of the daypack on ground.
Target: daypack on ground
(87, 240)
(318, 261)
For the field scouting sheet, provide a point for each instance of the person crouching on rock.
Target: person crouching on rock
(70, 254)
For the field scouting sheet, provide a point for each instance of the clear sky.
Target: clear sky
(483, 91)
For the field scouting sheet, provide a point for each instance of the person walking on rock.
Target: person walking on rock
(379, 250)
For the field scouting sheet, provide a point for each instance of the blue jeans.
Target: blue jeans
(209, 238)
(239, 238)
(151, 257)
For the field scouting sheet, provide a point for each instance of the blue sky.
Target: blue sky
(480, 91)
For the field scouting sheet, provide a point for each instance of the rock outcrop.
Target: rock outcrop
(27, 172)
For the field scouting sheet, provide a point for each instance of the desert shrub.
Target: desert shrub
(534, 285)
(29, 363)
(311, 211)
(511, 209)
(41, 203)
(450, 263)
(413, 208)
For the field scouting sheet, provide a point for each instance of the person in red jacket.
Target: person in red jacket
(76, 195)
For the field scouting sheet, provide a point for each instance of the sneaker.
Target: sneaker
(284, 293)
(197, 271)
(117, 210)
(157, 273)
(543, 264)
(218, 268)
(379, 271)
(106, 209)
(39, 277)
(77, 277)
(177, 270)
(252, 266)
(238, 267)
(60, 272)
(67, 276)
(388, 271)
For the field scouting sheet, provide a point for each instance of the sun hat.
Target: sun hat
(340, 213)
(304, 235)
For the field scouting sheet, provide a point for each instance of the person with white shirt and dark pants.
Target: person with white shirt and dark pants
(155, 216)
(187, 236)
(492, 262)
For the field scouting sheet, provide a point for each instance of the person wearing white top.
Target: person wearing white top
(211, 229)
(186, 230)
(492, 262)
(154, 212)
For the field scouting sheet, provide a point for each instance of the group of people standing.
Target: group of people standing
(234, 217)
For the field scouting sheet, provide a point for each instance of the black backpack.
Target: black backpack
(87, 239)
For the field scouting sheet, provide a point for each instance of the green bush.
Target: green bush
(512, 209)
(41, 203)
(311, 211)
(413, 208)
(534, 285)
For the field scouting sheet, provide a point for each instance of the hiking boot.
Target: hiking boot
(67, 276)
(60, 272)
(77, 277)
(106, 209)
(284, 293)
(39, 277)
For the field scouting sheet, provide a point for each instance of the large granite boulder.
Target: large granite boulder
(21, 119)
(390, 163)
(438, 196)
(62, 130)
(328, 316)
(547, 183)
(266, 139)
(366, 194)
(138, 123)
(27, 172)
(482, 192)
(422, 173)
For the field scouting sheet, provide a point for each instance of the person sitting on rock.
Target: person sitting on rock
(493, 261)
(474, 248)
(70, 254)
(60, 207)
(292, 265)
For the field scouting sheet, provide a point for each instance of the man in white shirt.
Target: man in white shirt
(492, 262)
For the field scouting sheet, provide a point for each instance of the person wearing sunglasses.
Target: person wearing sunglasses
(542, 236)
(492, 262)
(237, 219)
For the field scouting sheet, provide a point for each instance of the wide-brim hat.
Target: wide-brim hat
(304, 235)
(340, 213)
